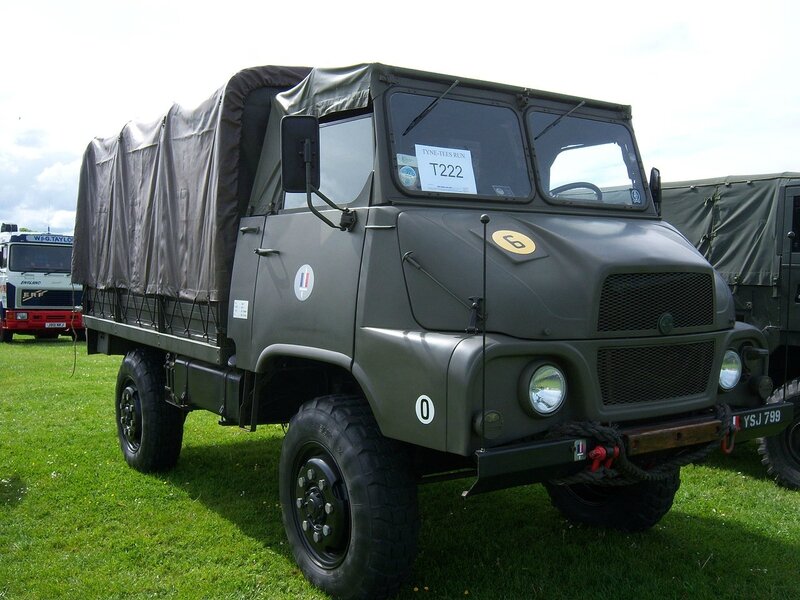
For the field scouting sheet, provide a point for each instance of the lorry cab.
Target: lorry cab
(581, 274)
(36, 294)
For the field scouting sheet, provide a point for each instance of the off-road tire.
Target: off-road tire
(635, 507)
(150, 431)
(7, 336)
(368, 486)
(781, 453)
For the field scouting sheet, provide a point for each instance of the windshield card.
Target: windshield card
(445, 170)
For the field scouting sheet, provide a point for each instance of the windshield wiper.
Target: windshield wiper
(558, 120)
(429, 108)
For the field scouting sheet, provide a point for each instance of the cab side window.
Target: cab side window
(347, 152)
(3, 257)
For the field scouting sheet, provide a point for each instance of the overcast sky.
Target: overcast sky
(714, 85)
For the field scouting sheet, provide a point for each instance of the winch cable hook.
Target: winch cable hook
(605, 455)
(729, 437)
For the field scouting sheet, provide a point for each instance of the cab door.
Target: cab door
(307, 277)
(3, 278)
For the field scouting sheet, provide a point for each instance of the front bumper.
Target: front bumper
(521, 464)
(42, 321)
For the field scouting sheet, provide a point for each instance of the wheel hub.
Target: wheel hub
(322, 510)
(128, 419)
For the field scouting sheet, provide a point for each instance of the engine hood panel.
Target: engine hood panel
(545, 273)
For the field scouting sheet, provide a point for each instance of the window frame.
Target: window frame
(14, 269)
(456, 95)
(319, 203)
(556, 201)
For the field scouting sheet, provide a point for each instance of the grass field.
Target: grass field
(76, 522)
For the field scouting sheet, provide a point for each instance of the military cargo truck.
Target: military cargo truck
(748, 227)
(427, 278)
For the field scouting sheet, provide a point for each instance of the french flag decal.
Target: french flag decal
(304, 283)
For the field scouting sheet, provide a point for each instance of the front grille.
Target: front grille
(636, 301)
(49, 298)
(646, 373)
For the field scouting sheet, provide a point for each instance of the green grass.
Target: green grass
(76, 522)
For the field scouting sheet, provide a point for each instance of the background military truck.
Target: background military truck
(36, 294)
(427, 278)
(742, 225)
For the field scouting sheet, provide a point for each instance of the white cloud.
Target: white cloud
(62, 221)
(8, 165)
(58, 221)
(59, 177)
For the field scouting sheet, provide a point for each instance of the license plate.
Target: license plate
(762, 417)
(55, 325)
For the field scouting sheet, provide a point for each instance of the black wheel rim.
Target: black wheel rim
(321, 506)
(130, 417)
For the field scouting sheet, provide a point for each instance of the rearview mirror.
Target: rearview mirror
(299, 150)
(655, 188)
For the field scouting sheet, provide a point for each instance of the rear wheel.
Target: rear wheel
(150, 431)
(349, 500)
(781, 452)
(634, 507)
(6, 335)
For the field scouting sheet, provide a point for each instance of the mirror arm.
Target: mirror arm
(348, 219)
(318, 214)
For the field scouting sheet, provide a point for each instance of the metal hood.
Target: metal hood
(558, 276)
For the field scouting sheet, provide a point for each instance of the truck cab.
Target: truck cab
(37, 296)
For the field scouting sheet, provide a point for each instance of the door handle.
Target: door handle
(265, 251)
(250, 229)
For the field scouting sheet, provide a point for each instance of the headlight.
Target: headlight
(547, 390)
(731, 370)
(22, 316)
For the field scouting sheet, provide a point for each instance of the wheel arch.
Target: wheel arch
(293, 374)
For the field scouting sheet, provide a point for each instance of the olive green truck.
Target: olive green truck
(426, 277)
(748, 227)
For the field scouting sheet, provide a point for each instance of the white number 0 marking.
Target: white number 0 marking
(425, 410)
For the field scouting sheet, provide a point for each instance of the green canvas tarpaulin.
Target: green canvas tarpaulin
(733, 221)
(159, 204)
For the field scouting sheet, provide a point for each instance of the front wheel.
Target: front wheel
(150, 431)
(634, 507)
(781, 453)
(349, 500)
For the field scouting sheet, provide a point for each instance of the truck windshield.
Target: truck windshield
(40, 258)
(459, 147)
(585, 161)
